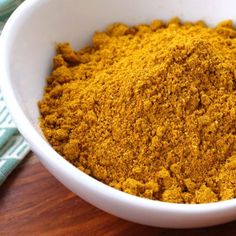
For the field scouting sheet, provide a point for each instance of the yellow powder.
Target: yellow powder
(149, 110)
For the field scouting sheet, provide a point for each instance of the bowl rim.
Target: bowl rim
(45, 151)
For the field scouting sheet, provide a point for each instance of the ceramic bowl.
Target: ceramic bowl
(26, 50)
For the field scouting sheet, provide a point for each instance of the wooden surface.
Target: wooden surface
(33, 202)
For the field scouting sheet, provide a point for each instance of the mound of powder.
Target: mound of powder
(149, 110)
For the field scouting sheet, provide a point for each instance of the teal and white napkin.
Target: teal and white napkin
(13, 147)
(6, 8)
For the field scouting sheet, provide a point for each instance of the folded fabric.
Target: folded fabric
(13, 147)
(6, 9)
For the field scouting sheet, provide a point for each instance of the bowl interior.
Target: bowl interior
(29, 40)
(33, 38)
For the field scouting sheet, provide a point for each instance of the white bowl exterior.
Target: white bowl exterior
(27, 46)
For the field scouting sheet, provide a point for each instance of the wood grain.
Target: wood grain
(33, 202)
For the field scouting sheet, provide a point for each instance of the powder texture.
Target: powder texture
(149, 110)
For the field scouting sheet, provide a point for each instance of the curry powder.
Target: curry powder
(149, 110)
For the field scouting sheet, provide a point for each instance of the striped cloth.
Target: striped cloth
(6, 8)
(13, 147)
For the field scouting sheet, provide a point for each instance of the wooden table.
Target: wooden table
(33, 202)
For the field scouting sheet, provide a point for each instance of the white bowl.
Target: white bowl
(27, 47)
